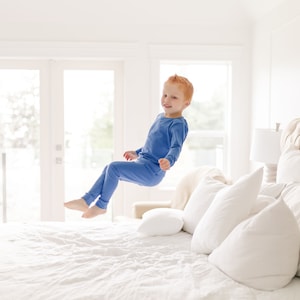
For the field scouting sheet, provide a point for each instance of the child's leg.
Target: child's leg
(84, 202)
(106, 184)
(134, 172)
(104, 187)
(96, 189)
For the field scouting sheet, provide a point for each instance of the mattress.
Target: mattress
(111, 260)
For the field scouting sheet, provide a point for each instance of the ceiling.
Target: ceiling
(258, 8)
(135, 11)
(31, 15)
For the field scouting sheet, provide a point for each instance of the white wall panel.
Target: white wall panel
(285, 72)
(276, 65)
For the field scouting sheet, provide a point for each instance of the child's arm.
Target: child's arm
(130, 155)
(164, 164)
(178, 133)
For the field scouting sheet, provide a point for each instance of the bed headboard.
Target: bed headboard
(288, 168)
(290, 137)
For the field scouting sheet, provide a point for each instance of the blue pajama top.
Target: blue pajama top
(164, 140)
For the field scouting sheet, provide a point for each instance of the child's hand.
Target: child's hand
(130, 155)
(164, 164)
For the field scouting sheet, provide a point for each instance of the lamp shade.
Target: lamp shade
(265, 146)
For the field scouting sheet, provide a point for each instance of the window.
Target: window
(20, 144)
(207, 115)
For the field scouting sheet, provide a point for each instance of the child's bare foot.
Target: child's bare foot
(93, 212)
(78, 204)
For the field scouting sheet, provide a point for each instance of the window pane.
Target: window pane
(88, 102)
(19, 140)
(206, 116)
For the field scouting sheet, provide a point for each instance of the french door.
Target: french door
(58, 131)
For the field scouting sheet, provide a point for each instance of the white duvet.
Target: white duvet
(89, 260)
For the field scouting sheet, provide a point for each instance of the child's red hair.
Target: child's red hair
(184, 83)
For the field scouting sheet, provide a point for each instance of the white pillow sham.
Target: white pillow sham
(261, 252)
(161, 221)
(200, 200)
(230, 206)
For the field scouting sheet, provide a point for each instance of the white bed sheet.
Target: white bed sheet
(88, 260)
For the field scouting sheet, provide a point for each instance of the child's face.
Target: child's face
(173, 100)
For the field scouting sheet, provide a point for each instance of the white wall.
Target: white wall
(130, 29)
(276, 67)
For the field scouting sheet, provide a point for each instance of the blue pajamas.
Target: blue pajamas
(140, 172)
(164, 140)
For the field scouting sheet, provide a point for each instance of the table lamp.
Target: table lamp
(266, 149)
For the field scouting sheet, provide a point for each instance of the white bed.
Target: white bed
(114, 260)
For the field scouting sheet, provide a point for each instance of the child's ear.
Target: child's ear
(187, 103)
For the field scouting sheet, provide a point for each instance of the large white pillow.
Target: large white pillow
(261, 252)
(200, 200)
(231, 205)
(288, 166)
(161, 221)
(268, 193)
(189, 181)
(272, 189)
(260, 203)
(291, 196)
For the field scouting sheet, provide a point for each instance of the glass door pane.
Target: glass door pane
(20, 142)
(88, 127)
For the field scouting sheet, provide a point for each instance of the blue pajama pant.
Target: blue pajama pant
(141, 172)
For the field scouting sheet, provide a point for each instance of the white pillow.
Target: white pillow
(199, 202)
(230, 206)
(260, 203)
(272, 189)
(288, 166)
(261, 252)
(189, 181)
(268, 193)
(161, 221)
(291, 196)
